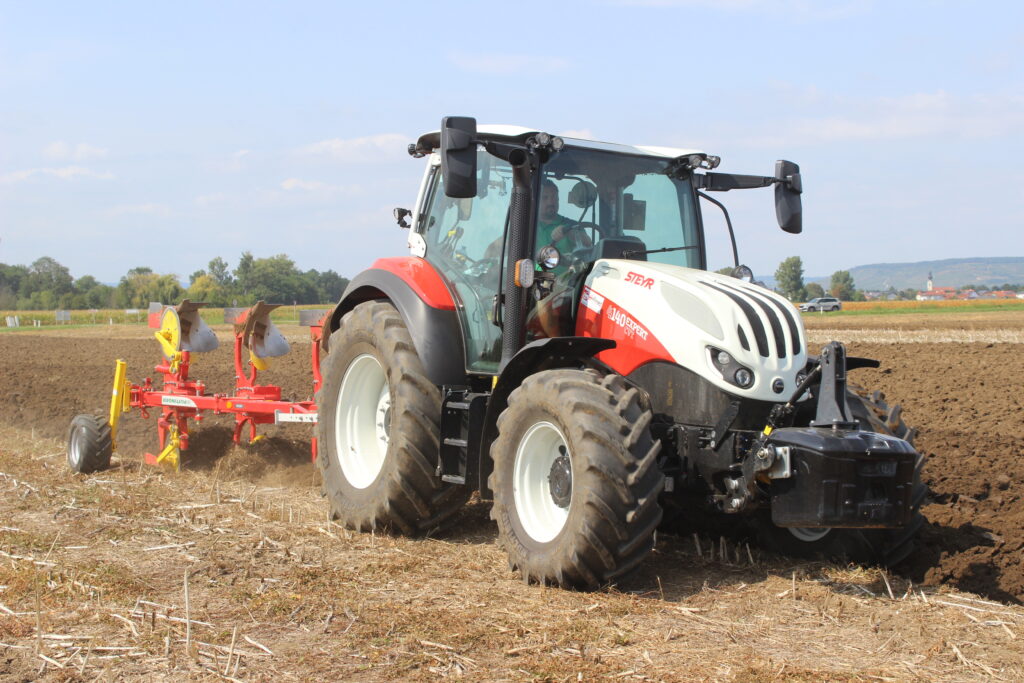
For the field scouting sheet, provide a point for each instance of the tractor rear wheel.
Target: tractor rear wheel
(378, 430)
(575, 480)
(884, 547)
(89, 444)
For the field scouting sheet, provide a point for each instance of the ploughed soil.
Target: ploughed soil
(302, 597)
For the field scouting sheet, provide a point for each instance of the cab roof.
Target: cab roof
(431, 141)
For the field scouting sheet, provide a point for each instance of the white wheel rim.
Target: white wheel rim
(362, 421)
(807, 534)
(538, 450)
(76, 446)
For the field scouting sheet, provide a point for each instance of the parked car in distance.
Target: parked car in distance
(822, 303)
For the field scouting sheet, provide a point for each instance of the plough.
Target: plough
(181, 331)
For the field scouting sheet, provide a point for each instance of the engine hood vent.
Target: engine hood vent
(777, 314)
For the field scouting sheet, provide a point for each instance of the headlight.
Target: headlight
(730, 370)
(743, 378)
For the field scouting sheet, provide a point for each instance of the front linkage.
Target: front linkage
(830, 473)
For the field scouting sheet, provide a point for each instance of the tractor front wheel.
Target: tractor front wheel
(575, 480)
(378, 428)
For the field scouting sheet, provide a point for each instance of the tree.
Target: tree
(725, 271)
(243, 273)
(789, 278)
(47, 283)
(813, 290)
(328, 284)
(842, 286)
(274, 280)
(141, 285)
(205, 288)
(218, 270)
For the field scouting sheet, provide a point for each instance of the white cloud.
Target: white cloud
(62, 151)
(140, 210)
(503, 64)
(235, 163)
(303, 185)
(363, 149)
(64, 173)
(211, 199)
(917, 115)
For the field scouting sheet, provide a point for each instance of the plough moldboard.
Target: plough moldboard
(177, 398)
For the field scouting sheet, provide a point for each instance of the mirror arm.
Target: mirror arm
(728, 223)
(723, 182)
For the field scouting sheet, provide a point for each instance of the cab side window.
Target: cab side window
(464, 243)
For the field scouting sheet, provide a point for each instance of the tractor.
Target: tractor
(586, 373)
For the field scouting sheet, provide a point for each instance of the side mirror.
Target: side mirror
(743, 273)
(788, 208)
(583, 194)
(458, 156)
(402, 217)
(634, 213)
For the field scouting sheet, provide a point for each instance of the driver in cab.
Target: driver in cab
(554, 228)
(552, 311)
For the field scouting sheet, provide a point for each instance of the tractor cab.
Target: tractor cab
(594, 200)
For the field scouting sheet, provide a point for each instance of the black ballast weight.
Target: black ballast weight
(843, 478)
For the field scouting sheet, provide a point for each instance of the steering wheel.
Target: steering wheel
(586, 225)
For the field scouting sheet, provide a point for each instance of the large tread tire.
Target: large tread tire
(89, 444)
(885, 547)
(613, 510)
(406, 496)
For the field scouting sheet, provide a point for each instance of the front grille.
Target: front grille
(775, 312)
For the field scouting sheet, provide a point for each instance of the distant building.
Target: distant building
(936, 293)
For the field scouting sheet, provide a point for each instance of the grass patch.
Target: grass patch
(857, 308)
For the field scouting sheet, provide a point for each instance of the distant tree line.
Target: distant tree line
(789, 281)
(48, 285)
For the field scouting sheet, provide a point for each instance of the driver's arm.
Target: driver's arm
(573, 232)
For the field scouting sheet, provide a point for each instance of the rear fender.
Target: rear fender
(543, 354)
(425, 304)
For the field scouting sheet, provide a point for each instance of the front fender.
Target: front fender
(425, 304)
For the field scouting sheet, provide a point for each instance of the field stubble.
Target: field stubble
(93, 569)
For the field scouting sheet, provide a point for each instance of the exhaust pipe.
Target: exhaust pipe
(513, 323)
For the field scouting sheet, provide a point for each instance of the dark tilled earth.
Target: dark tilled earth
(965, 398)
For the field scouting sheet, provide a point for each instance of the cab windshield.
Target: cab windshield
(631, 203)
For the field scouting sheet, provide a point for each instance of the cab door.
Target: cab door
(464, 241)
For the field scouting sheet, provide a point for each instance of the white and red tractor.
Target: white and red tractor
(555, 342)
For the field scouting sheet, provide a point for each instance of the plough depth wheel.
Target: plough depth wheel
(89, 444)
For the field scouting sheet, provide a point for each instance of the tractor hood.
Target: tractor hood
(689, 316)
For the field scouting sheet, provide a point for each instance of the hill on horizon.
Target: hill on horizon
(954, 272)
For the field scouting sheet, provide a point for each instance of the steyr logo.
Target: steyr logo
(639, 280)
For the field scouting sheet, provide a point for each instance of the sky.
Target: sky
(167, 134)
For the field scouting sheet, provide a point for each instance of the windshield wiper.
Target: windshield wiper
(642, 252)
